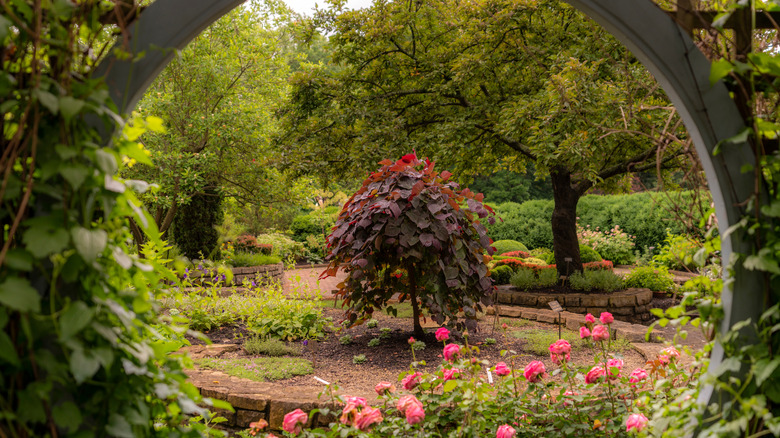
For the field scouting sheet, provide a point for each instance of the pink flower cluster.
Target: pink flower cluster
(411, 381)
(599, 333)
(358, 414)
(560, 351)
(411, 408)
(294, 421)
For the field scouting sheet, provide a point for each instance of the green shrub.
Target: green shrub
(270, 347)
(524, 279)
(677, 253)
(283, 246)
(528, 222)
(600, 280)
(503, 246)
(345, 340)
(317, 222)
(540, 253)
(374, 342)
(657, 279)
(193, 226)
(384, 333)
(613, 244)
(242, 259)
(248, 243)
(418, 346)
(359, 359)
(547, 277)
(501, 274)
(372, 323)
(535, 261)
(588, 254)
(490, 341)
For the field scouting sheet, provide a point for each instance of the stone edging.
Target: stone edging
(632, 305)
(573, 321)
(263, 274)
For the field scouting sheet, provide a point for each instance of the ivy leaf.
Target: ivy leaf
(7, 350)
(89, 243)
(47, 99)
(19, 259)
(765, 368)
(762, 262)
(70, 106)
(17, 294)
(74, 174)
(83, 367)
(44, 236)
(77, 316)
(67, 415)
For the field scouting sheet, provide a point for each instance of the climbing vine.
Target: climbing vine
(82, 352)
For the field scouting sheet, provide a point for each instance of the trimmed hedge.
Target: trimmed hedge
(315, 223)
(505, 246)
(643, 215)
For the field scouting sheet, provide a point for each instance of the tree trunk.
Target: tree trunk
(564, 223)
(418, 330)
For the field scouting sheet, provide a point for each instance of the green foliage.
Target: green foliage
(359, 359)
(283, 246)
(384, 333)
(270, 347)
(194, 231)
(615, 244)
(490, 341)
(242, 259)
(657, 279)
(505, 186)
(598, 280)
(528, 222)
(534, 261)
(504, 246)
(372, 323)
(409, 217)
(547, 277)
(318, 222)
(374, 342)
(248, 243)
(537, 341)
(418, 346)
(84, 348)
(259, 369)
(501, 274)
(588, 254)
(345, 340)
(524, 279)
(677, 252)
(266, 310)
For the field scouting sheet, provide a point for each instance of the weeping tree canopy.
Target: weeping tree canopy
(408, 218)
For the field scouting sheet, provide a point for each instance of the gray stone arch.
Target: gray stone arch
(666, 51)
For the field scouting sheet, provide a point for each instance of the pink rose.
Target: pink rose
(590, 319)
(411, 381)
(415, 414)
(600, 333)
(505, 431)
(442, 334)
(636, 422)
(566, 401)
(502, 369)
(294, 421)
(384, 388)
(350, 412)
(584, 332)
(606, 318)
(638, 375)
(560, 351)
(534, 371)
(411, 340)
(614, 363)
(406, 402)
(367, 417)
(595, 374)
(451, 351)
(667, 354)
(450, 373)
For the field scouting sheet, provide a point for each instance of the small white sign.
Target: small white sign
(555, 306)
(321, 380)
(490, 377)
(568, 259)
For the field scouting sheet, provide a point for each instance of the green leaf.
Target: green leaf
(137, 152)
(106, 161)
(220, 404)
(762, 263)
(44, 237)
(119, 427)
(47, 99)
(764, 369)
(720, 69)
(74, 174)
(82, 366)
(75, 317)
(67, 415)
(7, 350)
(17, 294)
(155, 124)
(19, 259)
(31, 406)
(70, 106)
(89, 243)
(449, 385)
(4, 25)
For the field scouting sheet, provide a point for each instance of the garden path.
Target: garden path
(305, 283)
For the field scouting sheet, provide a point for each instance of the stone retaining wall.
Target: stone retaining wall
(260, 274)
(631, 305)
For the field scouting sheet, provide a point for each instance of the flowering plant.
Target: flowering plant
(463, 399)
(613, 244)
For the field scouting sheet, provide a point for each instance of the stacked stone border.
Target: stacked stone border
(263, 274)
(630, 305)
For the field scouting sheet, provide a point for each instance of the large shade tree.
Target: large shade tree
(479, 85)
(215, 99)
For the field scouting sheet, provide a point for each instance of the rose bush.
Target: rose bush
(459, 399)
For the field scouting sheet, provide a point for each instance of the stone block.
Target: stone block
(632, 335)
(572, 300)
(244, 417)
(229, 416)
(548, 317)
(643, 296)
(623, 311)
(524, 299)
(252, 402)
(530, 314)
(513, 312)
(573, 324)
(577, 310)
(622, 301)
(642, 309)
(601, 301)
(504, 297)
(596, 311)
(217, 392)
(217, 350)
